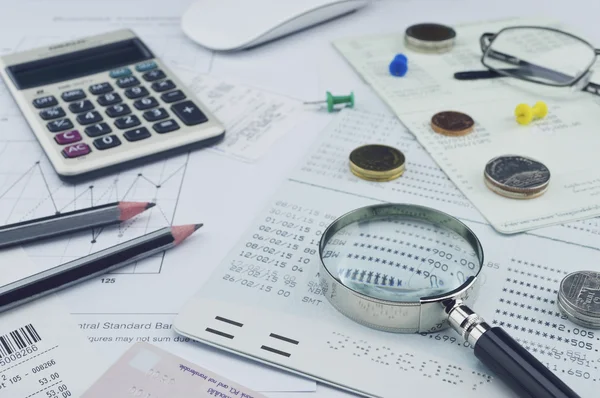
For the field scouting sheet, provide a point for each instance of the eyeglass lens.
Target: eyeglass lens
(540, 55)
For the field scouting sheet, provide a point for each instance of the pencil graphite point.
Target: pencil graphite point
(132, 209)
(181, 232)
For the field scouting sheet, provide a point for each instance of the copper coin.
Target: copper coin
(452, 123)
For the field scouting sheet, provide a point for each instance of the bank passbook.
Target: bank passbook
(146, 371)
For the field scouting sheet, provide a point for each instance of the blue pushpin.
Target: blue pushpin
(399, 65)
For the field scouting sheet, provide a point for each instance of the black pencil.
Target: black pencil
(65, 275)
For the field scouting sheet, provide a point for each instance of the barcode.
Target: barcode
(18, 339)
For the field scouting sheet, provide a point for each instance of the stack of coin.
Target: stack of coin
(579, 298)
(377, 162)
(429, 38)
(452, 123)
(516, 177)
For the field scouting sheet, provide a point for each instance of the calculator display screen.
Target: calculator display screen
(78, 64)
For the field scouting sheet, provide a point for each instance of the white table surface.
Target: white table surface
(304, 66)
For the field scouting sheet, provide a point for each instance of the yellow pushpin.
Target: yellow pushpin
(525, 113)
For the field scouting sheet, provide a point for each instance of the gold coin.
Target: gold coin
(377, 162)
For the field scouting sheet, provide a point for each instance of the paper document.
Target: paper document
(137, 302)
(146, 370)
(265, 300)
(41, 349)
(253, 119)
(557, 140)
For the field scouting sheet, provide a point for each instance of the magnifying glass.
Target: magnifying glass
(407, 269)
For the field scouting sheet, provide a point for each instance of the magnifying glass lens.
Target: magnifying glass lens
(398, 258)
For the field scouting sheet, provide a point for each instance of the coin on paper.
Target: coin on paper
(579, 298)
(516, 177)
(377, 162)
(452, 123)
(430, 38)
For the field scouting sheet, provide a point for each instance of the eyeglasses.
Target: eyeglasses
(537, 54)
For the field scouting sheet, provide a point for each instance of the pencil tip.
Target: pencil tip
(132, 209)
(150, 205)
(198, 226)
(182, 232)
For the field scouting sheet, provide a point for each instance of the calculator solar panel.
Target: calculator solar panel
(104, 103)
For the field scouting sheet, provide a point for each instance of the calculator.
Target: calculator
(104, 103)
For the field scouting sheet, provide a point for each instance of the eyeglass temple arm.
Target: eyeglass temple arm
(526, 68)
(529, 69)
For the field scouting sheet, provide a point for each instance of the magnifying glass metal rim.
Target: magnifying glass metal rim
(429, 313)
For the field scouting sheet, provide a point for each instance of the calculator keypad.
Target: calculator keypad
(97, 130)
(77, 150)
(100, 88)
(89, 118)
(52, 113)
(144, 66)
(68, 137)
(103, 115)
(166, 126)
(127, 122)
(173, 96)
(60, 125)
(189, 113)
(137, 134)
(120, 72)
(45, 102)
(81, 106)
(73, 95)
(155, 114)
(145, 103)
(109, 99)
(118, 110)
(153, 75)
(163, 85)
(136, 92)
(107, 142)
(129, 81)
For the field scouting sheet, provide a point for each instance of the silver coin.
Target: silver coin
(517, 176)
(430, 38)
(579, 298)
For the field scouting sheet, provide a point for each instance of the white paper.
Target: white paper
(151, 291)
(272, 275)
(254, 119)
(41, 349)
(556, 141)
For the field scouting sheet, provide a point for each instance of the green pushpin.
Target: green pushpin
(333, 100)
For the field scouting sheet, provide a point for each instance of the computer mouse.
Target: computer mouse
(226, 25)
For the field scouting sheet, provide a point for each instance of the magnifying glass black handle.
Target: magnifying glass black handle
(518, 368)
